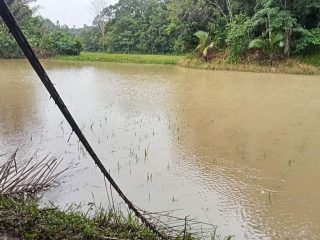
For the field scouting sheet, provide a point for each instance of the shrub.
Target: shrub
(308, 42)
(62, 43)
(238, 37)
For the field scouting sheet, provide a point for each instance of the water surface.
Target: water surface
(238, 150)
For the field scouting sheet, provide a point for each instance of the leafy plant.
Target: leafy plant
(62, 43)
(270, 45)
(308, 42)
(238, 37)
(205, 44)
(218, 28)
(273, 17)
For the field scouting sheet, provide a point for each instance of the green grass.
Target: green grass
(25, 219)
(123, 58)
(313, 59)
(289, 66)
(303, 65)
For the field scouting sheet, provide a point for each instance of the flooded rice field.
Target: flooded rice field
(238, 150)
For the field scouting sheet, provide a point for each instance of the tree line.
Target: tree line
(230, 29)
(233, 27)
(46, 38)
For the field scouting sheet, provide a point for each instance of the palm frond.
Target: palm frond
(205, 51)
(278, 37)
(257, 43)
(28, 178)
(203, 38)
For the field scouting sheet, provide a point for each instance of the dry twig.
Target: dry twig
(28, 178)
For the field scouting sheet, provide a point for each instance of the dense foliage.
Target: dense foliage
(233, 29)
(46, 38)
(168, 26)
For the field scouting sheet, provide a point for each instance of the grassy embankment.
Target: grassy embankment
(303, 65)
(289, 66)
(123, 58)
(25, 219)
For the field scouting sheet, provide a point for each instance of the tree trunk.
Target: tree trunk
(268, 28)
(286, 51)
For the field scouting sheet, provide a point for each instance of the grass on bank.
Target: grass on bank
(123, 58)
(313, 59)
(22, 217)
(303, 65)
(289, 66)
(25, 219)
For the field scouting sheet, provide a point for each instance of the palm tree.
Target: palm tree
(269, 45)
(205, 44)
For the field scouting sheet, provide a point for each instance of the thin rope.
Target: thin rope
(35, 63)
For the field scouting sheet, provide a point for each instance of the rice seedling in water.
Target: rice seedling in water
(146, 152)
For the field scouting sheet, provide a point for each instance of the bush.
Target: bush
(308, 41)
(8, 46)
(62, 43)
(217, 29)
(238, 37)
(45, 42)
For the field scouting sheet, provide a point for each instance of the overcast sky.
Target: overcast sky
(70, 12)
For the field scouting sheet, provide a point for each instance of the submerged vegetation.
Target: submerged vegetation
(23, 217)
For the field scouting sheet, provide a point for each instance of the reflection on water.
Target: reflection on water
(239, 150)
(17, 97)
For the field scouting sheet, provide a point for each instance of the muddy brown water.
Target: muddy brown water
(238, 150)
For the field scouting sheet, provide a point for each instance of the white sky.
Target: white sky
(70, 12)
